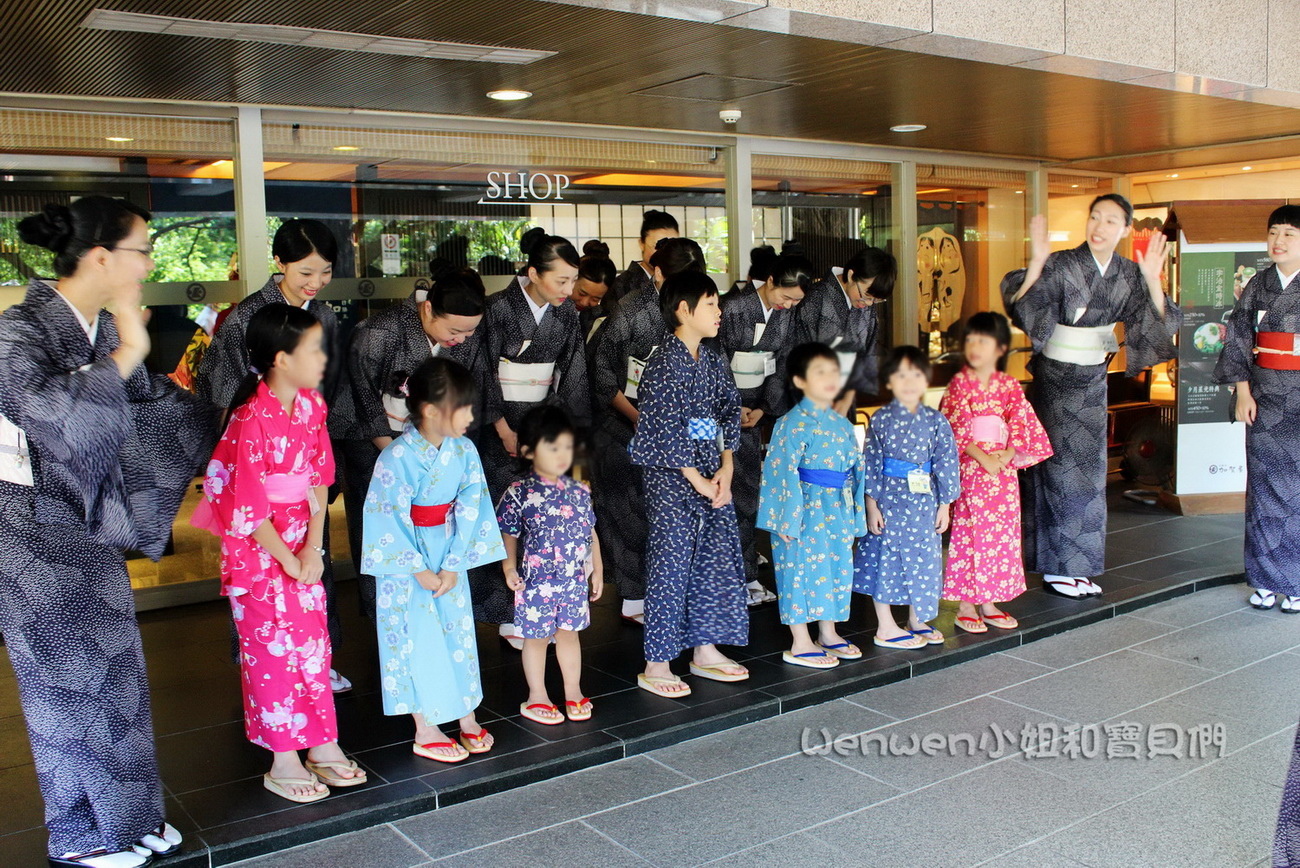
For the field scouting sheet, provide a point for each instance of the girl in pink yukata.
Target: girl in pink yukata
(997, 433)
(264, 492)
(552, 513)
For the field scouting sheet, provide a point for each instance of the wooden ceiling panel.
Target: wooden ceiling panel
(842, 92)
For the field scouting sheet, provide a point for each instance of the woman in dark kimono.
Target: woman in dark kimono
(305, 252)
(95, 456)
(655, 226)
(370, 410)
(596, 276)
(619, 355)
(757, 334)
(536, 345)
(840, 312)
(1258, 360)
(1069, 303)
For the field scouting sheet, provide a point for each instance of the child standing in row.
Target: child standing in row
(688, 431)
(911, 478)
(811, 504)
(264, 493)
(428, 519)
(552, 512)
(997, 433)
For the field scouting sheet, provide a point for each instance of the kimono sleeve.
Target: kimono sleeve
(1148, 334)
(608, 371)
(943, 459)
(1037, 311)
(955, 407)
(662, 433)
(573, 389)
(1028, 436)
(727, 409)
(1237, 361)
(389, 543)
(510, 511)
(80, 419)
(234, 485)
(858, 468)
(476, 537)
(368, 368)
(780, 499)
(873, 461)
(224, 363)
(495, 334)
(322, 459)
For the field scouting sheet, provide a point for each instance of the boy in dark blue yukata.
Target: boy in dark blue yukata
(688, 432)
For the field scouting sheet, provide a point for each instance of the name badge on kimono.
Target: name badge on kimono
(635, 368)
(918, 481)
(1109, 343)
(15, 458)
(397, 412)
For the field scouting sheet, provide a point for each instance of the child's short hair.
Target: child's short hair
(689, 287)
(909, 354)
(876, 263)
(796, 364)
(544, 423)
(1285, 215)
(441, 382)
(992, 324)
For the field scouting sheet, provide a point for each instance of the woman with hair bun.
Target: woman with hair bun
(305, 252)
(95, 456)
(656, 225)
(534, 340)
(370, 411)
(596, 276)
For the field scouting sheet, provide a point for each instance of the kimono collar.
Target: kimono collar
(560, 482)
(1285, 279)
(271, 291)
(423, 447)
(807, 406)
(538, 310)
(266, 396)
(1083, 251)
(90, 328)
(58, 311)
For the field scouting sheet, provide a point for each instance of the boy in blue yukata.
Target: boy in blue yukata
(687, 434)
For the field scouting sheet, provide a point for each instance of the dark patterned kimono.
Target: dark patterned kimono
(742, 314)
(635, 330)
(1065, 496)
(1273, 441)
(695, 573)
(1286, 842)
(634, 277)
(226, 362)
(106, 464)
(512, 334)
(826, 317)
(383, 348)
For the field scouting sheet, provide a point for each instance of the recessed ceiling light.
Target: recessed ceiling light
(1174, 175)
(345, 147)
(1074, 186)
(118, 139)
(510, 95)
(1020, 191)
(906, 128)
(1246, 168)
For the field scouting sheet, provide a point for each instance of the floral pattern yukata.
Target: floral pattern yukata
(904, 565)
(814, 571)
(556, 522)
(984, 550)
(428, 658)
(284, 643)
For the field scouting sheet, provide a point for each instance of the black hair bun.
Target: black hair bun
(51, 229)
(531, 239)
(596, 247)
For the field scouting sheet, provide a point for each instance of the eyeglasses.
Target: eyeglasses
(146, 251)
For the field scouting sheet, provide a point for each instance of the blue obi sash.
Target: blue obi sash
(702, 429)
(824, 478)
(898, 468)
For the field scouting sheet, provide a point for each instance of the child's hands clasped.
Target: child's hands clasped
(440, 582)
(311, 566)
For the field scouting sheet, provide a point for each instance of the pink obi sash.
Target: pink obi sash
(993, 429)
(279, 488)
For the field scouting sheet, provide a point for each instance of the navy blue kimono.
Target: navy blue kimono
(695, 574)
(826, 317)
(106, 463)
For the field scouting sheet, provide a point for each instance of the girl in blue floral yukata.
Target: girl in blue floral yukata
(428, 519)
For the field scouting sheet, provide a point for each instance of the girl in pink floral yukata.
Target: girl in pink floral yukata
(264, 494)
(997, 433)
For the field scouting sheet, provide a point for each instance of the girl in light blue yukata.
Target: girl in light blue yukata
(811, 504)
(912, 477)
(428, 519)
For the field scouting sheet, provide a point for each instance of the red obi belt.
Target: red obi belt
(1277, 351)
(430, 516)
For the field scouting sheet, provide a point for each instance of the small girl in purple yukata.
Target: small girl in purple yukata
(560, 570)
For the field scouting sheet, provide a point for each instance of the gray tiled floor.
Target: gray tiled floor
(750, 796)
